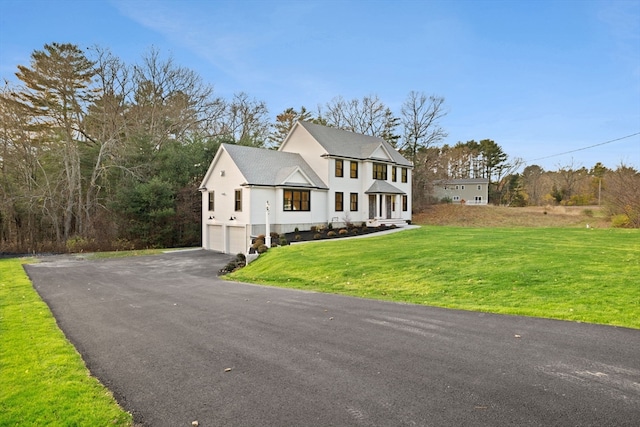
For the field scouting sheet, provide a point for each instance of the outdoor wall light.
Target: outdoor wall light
(232, 218)
(212, 217)
(221, 173)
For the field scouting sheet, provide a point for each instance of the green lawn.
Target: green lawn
(43, 380)
(578, 274)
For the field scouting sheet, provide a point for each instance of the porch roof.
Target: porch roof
(383, 187)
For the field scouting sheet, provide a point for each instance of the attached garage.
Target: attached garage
(237, 239)
(216, 238)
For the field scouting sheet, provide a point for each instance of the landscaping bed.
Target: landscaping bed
(331, 233)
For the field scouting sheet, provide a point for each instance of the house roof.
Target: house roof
(462, 181)
(342, 143)
(379, 187)
(272, 168)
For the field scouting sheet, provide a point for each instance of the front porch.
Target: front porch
(387, 205)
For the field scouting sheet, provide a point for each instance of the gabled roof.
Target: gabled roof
(272, 168)
(342, 143)
(462, 181)
(383, 187)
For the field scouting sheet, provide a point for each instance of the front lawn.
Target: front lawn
(43, 380)
(578, 274)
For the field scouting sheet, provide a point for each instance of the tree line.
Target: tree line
(100, 154)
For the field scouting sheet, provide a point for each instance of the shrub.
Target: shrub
(332, 234)
(283, 241)
(298, 237)
(330, 226)
(354, 231)
(274, 236)
(620, 221)
(262, 249)
(313, 229)
(343, 231)
(296, 230)
(261, 237)
(588, 213)
(235, 264)
(123, 245)
(257, 243)
(77, 244)
(317, 236)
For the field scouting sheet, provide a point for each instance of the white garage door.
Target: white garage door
(216, 238)
(237, 240)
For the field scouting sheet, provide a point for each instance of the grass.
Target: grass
(578, 274)
(43, 380)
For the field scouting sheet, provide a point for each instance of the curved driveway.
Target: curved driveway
(176, 344)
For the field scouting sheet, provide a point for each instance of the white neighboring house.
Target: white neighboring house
(472, 191)
(319, 175)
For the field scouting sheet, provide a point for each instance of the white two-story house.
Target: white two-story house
(319, 175)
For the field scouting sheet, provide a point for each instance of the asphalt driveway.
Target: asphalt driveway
(176, 344)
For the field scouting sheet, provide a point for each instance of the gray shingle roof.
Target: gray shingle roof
(342, 143)
(380, 187)
(268, 167)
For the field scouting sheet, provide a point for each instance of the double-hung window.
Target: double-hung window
(339, 168)
(404, 174)
(394, 171)
(353, 202)
(238, 200)
(339, 202)
(211, 201)
(354, 169)
(379, 171)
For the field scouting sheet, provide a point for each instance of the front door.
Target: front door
(389, 204)
(372, 206)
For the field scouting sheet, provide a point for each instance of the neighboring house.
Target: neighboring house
(318, 176)
(473, 191)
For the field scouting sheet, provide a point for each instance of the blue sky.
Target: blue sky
(540, 78)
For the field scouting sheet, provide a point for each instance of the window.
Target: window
(478, 199)
(353, 202)
(479, 187)
(456, 198)
(404, 174)
(211, 201)
(354, 169)
(379, 171)
(296, 200)
(462, 187)
(238, 200)
(339, 166)
(405, 203)
(339, 202)
(393, 173)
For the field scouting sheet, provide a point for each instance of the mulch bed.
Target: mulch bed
(308, 235)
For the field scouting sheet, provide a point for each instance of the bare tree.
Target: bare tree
(245, 121)
(420, 120)
(532, 177)
(368, 116)
(622, 194)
